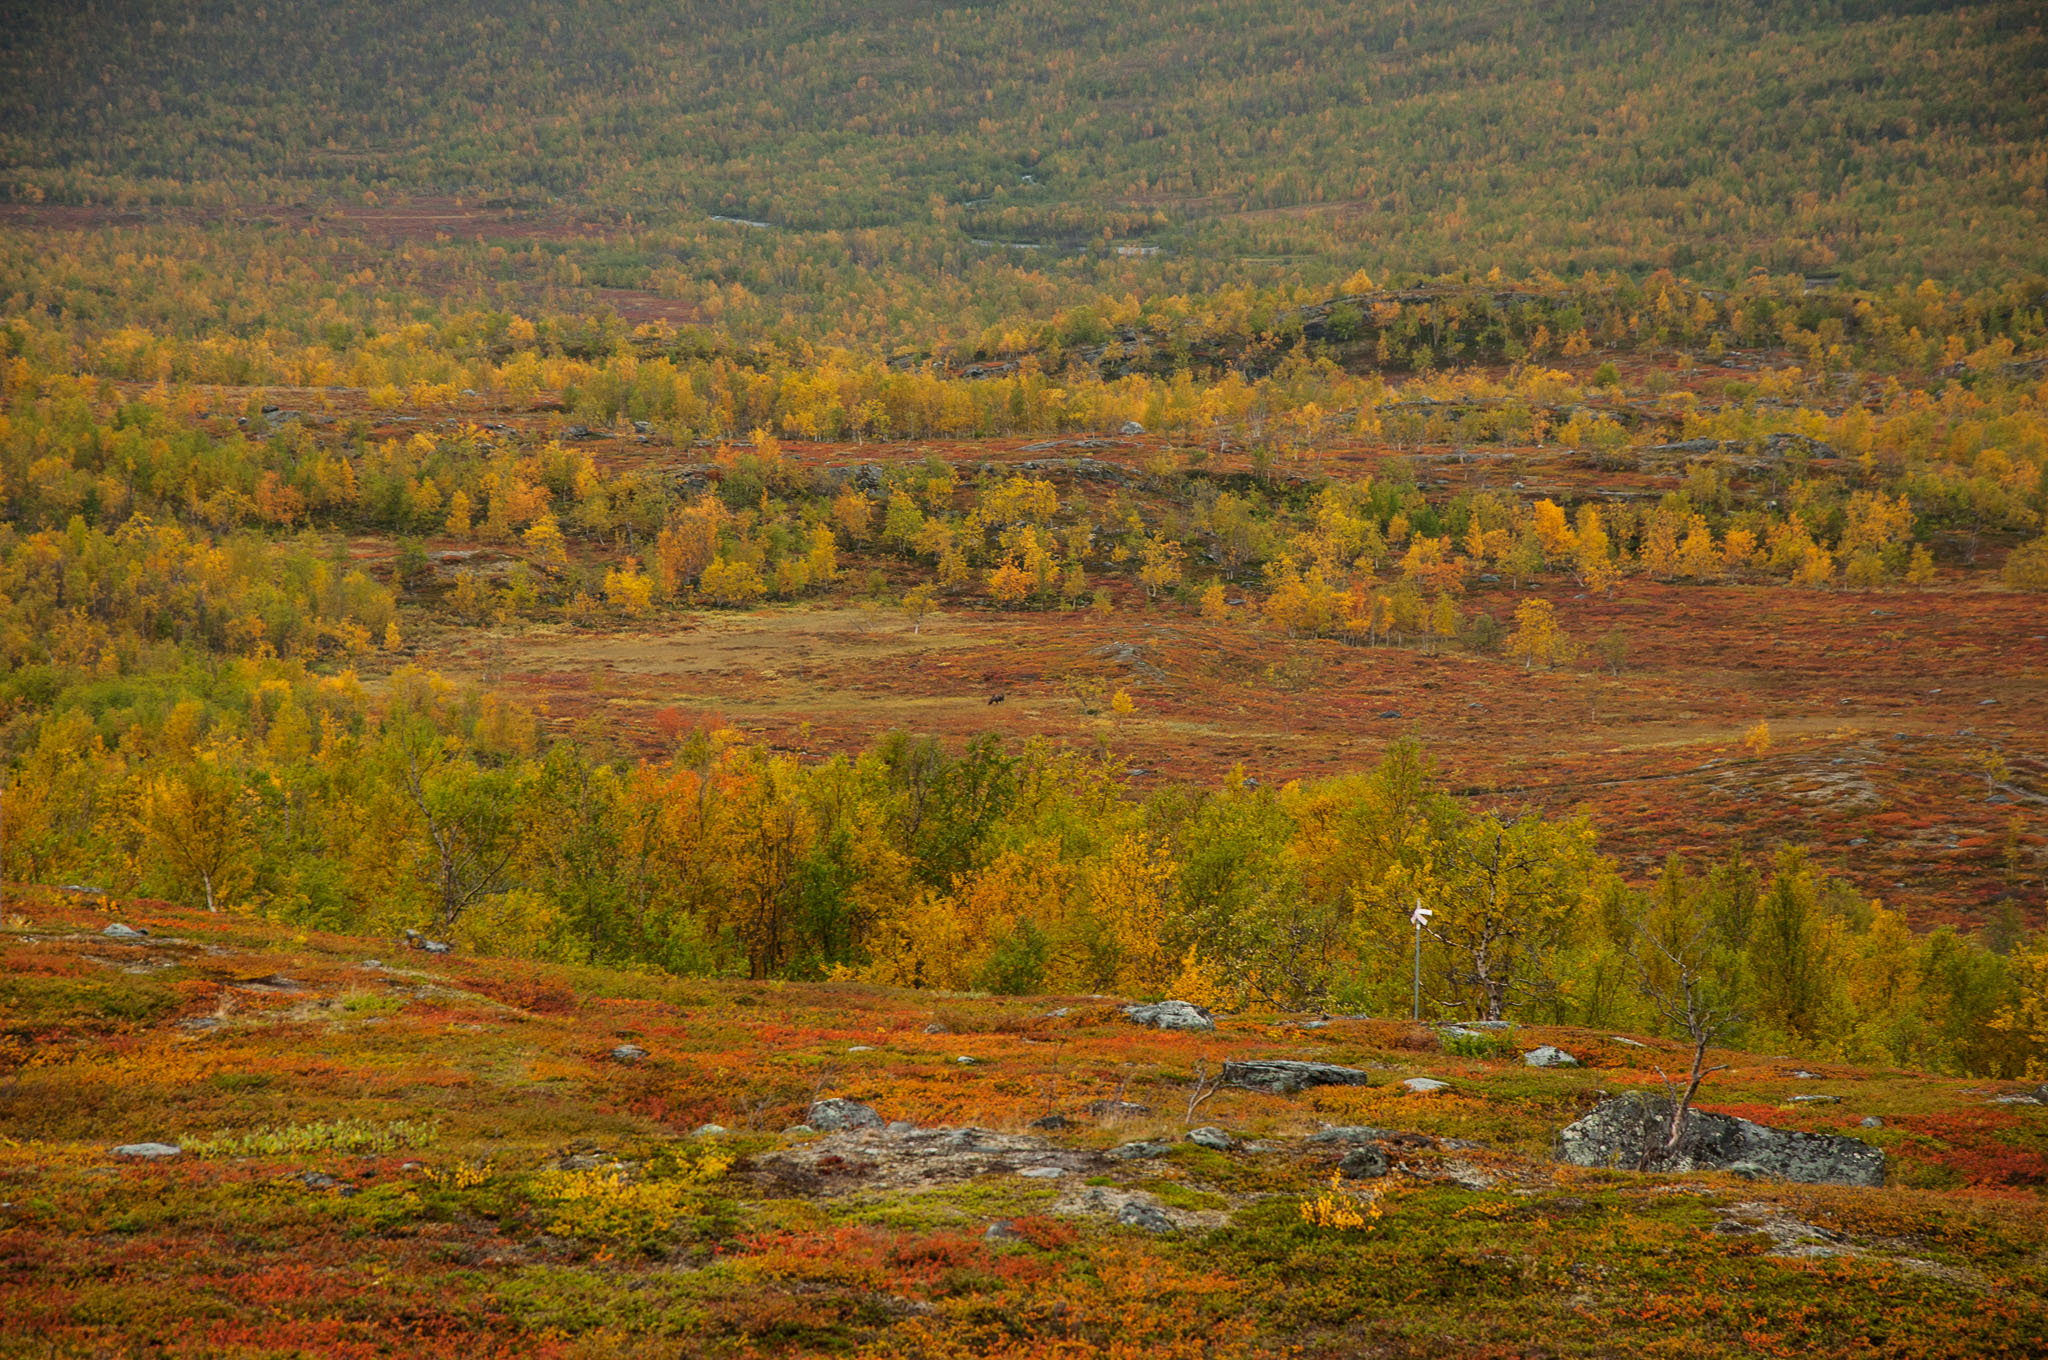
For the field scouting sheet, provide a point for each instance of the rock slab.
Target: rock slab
(1283, 1077)
(1548, 1056)
(1615, 1134)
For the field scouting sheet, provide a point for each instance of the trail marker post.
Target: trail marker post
(1420, 916)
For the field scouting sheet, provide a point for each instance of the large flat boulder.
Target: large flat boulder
(1284, 1077)
(1616, 1133)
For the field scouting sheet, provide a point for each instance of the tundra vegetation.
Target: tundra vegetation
(806, 548)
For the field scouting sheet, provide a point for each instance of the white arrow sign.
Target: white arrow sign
(1420, 916)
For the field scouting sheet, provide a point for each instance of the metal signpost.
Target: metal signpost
(1420, 916)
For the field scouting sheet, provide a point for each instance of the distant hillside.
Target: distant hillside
(1880, 141)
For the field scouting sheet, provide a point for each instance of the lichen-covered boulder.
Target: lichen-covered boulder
(1615, 1134)
(1280, 1076)
(1183, 1015)
(837, 1116)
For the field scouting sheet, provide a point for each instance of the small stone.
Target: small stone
(1118, 1109)
(836, 1116)
(710, 1131)
(117, 931)
(861, 1048)
(1870, 1121)
(1213, 1138)
(1816, 1100)
(1423, 1086)
(1367, 1163)
(148, 1150)
(1139, 1152)
(1625, 1042)
(1042, 1173)
(1053, 1122)
(967, 1061)
(1132, 427)
(1178, 1015)
(1548, 1056)
(1001, 1231)
(935, 1028)
(371, 963)
(1146, 1216)
(628, 1053)
(900, 1127)
(1806, 1076)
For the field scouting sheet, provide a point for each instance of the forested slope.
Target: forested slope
(1878, 140)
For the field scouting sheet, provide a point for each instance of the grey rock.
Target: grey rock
(1548, 1056)
(148, 1150)
(1140, 1152)
(837, 1116)
(1131, 427)
(1367, 1163)
(1284, 1077)
(1001, 1231)
(900, 1126)
(1871, 1121)
(117, 931)
(1043, 1173)
(1348, 1133)
(1486, 1024)
(1117, 1109)
(965, 1061)
(1816, 1100)
(1213, 1138)
(628, 1053)
(1179, 1015)
(1626, 1042)
(438, 947)
(1615, 1134)
(710, 1131)
(199, 1024)
(1424, 1086)
(1146, 1216)
(1053, 1123)
(797, 1130)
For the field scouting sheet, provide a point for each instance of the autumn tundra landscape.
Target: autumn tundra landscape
(886, 680)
